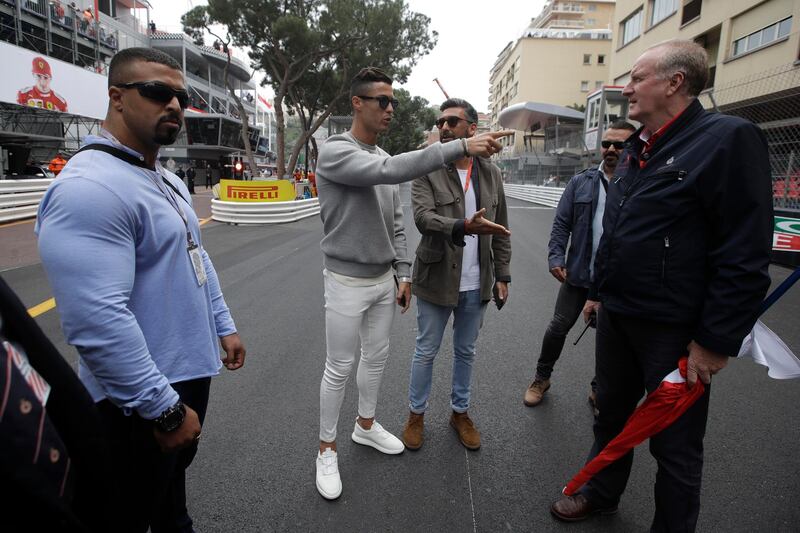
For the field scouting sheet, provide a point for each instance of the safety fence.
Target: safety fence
(770, 99)
(263, 212)
(548, 196)
(19, 199)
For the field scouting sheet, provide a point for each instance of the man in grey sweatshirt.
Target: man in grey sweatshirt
(364, 248)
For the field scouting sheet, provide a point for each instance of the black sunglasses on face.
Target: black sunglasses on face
(452, 121)
(619, 145)
(383, 101)
(160, 92)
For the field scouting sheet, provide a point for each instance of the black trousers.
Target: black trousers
(569, 305)
(150, 486)
(632, 356)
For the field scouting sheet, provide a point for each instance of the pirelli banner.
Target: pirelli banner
(256, 191)
(36, 80)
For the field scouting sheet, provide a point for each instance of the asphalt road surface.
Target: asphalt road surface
(255, 469)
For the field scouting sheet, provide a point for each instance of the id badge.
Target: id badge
(197, 263)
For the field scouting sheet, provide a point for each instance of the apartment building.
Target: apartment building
(62, 50)
(576, 15)
(548, 65)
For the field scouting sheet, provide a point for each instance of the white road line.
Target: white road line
(471, 500)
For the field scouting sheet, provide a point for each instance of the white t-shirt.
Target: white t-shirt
(470, 268)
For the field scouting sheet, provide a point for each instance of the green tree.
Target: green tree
(410, 123)
(310, 49)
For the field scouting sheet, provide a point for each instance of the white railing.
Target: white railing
(20, 199)
(263, 212)
(536, 194)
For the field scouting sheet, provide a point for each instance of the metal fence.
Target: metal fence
(771, 99)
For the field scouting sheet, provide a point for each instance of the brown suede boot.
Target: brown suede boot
(468, 434)
(412, 432)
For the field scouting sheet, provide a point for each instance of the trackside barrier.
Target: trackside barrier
(537, 194)
(20, 199)
(263, 212)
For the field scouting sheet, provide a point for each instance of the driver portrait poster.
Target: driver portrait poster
(36, 80)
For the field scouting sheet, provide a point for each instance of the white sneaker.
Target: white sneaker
(378, 438)
(329, 484)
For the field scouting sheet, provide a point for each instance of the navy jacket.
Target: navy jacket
(573, 223)
(687, 238)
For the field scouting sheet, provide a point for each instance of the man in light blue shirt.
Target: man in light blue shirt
(121, 246)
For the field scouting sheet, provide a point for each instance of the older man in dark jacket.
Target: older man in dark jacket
(682, 267)
(578, 220)
(463, 256)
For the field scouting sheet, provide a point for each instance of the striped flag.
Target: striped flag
(40, 388)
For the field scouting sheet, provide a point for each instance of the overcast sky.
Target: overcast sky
(471, 34)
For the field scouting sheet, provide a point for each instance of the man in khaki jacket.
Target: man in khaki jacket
(462, 258)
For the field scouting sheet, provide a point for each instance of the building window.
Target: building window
(691, 10)
(631, 27)
(661, 9)
(598, 84)
(587, 59)
(601, 59)
(591, 22)
(762, 37)
(584, 86)
(592, 7)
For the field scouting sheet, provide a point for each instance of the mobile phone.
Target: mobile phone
(497, 301)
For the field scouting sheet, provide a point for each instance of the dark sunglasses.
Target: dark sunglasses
(452, 121)
(383, 101)
(619, 145)
(160, 92)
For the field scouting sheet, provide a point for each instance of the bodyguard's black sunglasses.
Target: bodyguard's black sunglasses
(452, 121)
(619, 145)
(158, 91)
(383, 101)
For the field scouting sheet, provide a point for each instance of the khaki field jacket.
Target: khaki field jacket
(438, 202)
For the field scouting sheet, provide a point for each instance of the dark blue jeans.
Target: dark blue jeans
(150, 486)
(569, 305)
(632, 357)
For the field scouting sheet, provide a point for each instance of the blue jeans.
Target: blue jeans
(431, 322)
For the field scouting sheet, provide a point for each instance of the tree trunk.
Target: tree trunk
(280, 131)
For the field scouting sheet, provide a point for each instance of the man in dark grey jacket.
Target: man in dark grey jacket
(464, 255)
(579, 220)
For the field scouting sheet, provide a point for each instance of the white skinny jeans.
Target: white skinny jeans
(354, 314)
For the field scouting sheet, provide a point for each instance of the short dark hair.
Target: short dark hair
(123, 58)
(622, 125)
(472, 115)
(365, 77)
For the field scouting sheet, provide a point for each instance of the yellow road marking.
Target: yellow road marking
(42, 308)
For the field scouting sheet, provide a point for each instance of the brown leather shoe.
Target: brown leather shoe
(468, 434)
(577, 508)
(412, 432)
(535, 392)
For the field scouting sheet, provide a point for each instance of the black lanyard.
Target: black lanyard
(135, 161)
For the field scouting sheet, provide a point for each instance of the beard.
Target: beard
(447, 136)
(169, 136)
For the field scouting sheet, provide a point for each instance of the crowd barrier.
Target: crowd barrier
(263, 212)
(19, 199)
(537, 194)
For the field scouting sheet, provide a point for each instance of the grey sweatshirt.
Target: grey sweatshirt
(362, 219)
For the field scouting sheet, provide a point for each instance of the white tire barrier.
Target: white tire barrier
(20, 199)
(536, 194)
(263, 212)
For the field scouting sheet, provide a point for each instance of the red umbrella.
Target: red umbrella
(660, 409)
